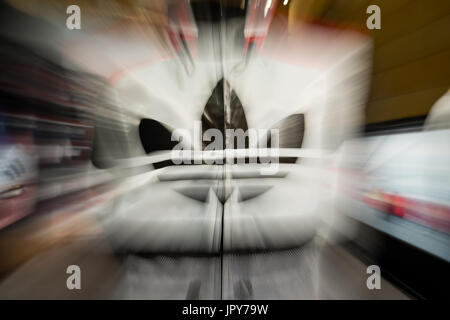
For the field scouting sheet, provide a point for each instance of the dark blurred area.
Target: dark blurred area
(224, 149)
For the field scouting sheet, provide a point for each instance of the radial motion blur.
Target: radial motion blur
(224, 149)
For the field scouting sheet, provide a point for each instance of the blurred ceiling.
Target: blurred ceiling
(411, 58)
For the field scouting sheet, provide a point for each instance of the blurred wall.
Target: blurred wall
(411, 65)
